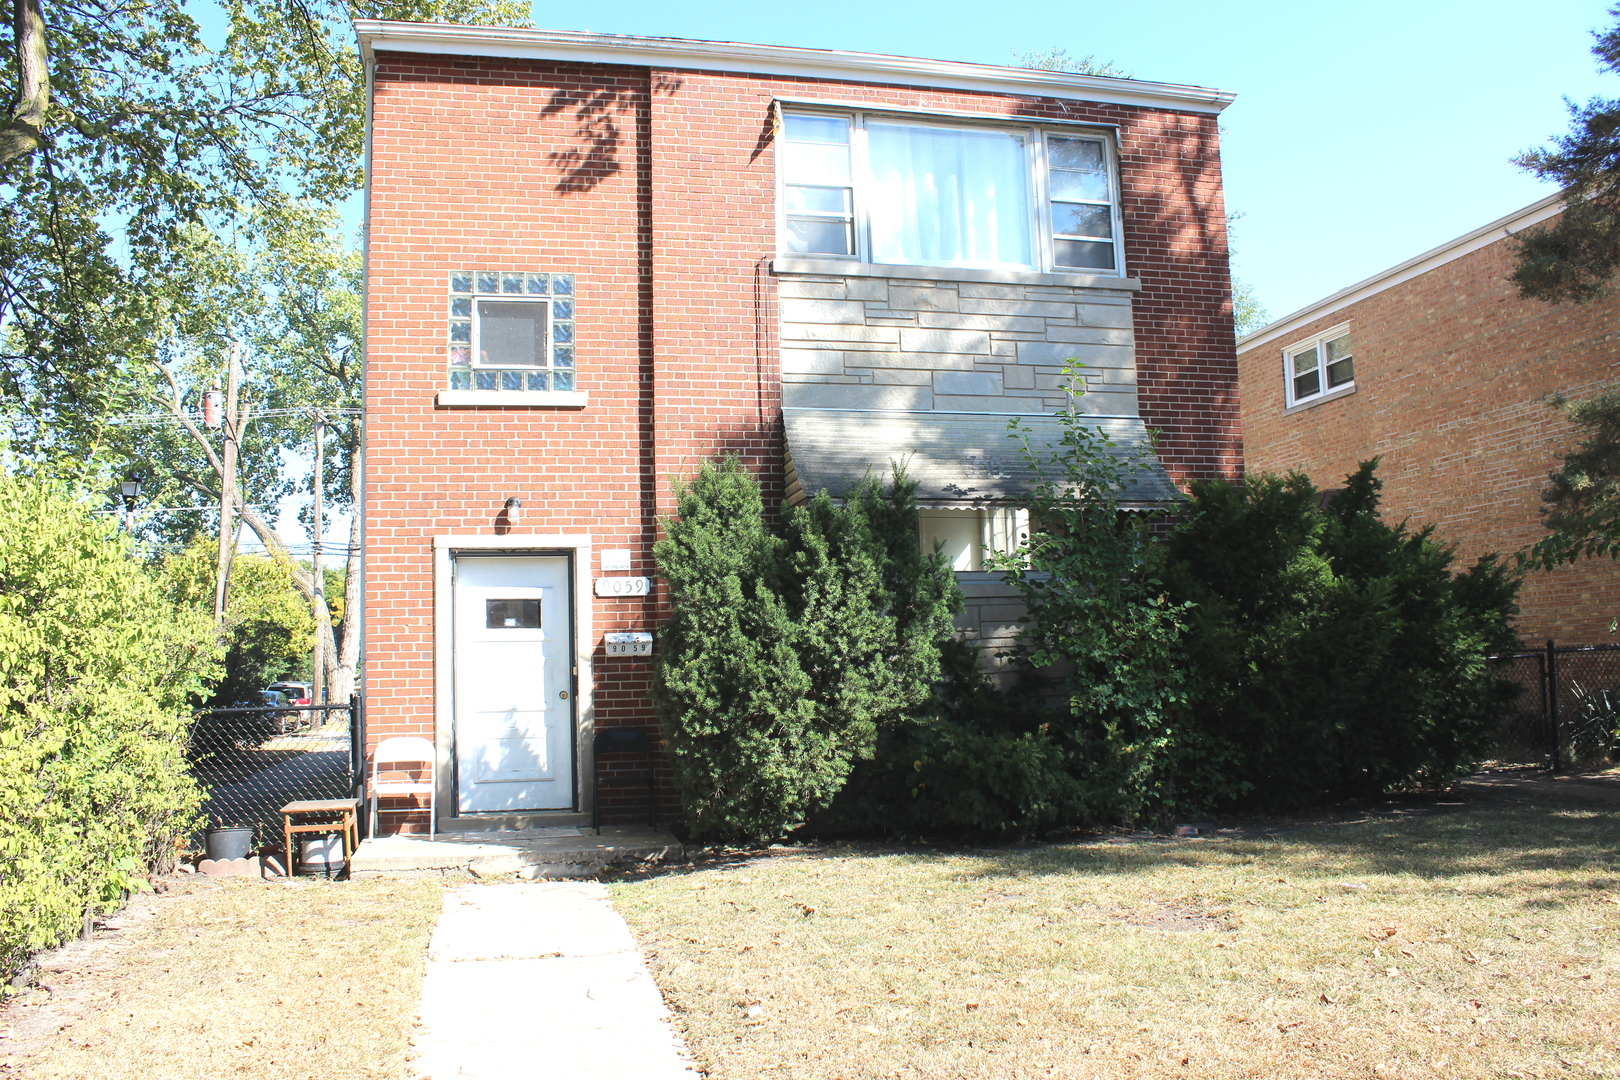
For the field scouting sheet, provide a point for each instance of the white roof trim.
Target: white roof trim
(1467, 244)
(381, 35)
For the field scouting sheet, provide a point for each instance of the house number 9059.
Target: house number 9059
(623, 586)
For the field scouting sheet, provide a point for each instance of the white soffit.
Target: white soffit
(381, 35)
(1467, 244)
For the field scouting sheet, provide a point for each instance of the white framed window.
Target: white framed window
(1320, 366)
(511, 332)
(884, 189)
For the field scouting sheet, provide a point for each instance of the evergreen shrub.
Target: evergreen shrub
(785, 654)
(97, 670)
(1331, 654)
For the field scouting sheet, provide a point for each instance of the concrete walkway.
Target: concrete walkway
(541, 980)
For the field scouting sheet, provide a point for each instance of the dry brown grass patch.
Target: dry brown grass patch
(1474, 942)
(249, 979)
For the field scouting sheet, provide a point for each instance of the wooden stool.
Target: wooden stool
(338, 816)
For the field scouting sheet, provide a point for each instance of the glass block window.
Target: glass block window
(511, 331)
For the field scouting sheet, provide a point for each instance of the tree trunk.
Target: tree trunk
(21, 134)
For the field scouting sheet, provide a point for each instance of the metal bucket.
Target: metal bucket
(234, 842)
(321, 856)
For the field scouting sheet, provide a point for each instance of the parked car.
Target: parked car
(298, 693)
(278, 723)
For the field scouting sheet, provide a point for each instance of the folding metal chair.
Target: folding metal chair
(393, 753)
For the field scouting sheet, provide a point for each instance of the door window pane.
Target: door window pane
(512, 614)
(949, 196)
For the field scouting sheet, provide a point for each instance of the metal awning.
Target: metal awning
(957, 459)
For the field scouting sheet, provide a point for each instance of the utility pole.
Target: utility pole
(318, 666)
(231, 431)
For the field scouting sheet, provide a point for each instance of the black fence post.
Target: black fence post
(357, 745)
(1552, 706)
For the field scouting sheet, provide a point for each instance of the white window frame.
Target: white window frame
(1040, 203)
(1317, 342)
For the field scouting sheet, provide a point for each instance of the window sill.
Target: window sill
(1322, 399)
(799, 264)
(554, 399)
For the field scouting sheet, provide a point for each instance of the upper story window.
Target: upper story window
(884, 190)
(1322, 366)
(511, 331)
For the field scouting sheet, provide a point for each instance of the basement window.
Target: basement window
(967, 537)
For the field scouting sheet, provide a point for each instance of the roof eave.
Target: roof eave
(444, 38)
(1466, 244)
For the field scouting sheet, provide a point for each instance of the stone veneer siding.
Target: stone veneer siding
(952, 346)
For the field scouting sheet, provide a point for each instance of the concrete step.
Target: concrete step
(527, 853)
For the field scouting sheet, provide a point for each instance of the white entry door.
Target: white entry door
(513, 694)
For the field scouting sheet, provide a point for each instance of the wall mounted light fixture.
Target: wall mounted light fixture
(514, 510)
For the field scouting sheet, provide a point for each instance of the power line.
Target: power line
(152, 419)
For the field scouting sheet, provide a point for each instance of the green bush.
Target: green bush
(784, 655)
(1090, 729)
(1277, 648)
(1331, 654)
(96, 671)
(983, 760)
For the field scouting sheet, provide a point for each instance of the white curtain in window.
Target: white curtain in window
(948, 196)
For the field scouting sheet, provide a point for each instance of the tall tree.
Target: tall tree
(1573, 258)
(1059, 60)
(128, 124)
(289, 310)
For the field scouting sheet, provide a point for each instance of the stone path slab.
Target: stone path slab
(541, 980)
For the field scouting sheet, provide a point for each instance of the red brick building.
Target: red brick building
(1440, 369)
(594, 262)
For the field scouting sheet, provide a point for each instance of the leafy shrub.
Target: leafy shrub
(783, 655)
(982, 760)
(1331, 654)
(1090, 728)
(96, 669)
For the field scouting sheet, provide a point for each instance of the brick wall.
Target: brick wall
(656, 189)
(1451, 370)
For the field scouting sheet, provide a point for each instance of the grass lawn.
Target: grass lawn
(1444, 941)
(235, 978)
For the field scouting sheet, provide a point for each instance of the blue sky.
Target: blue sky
(1363, 133)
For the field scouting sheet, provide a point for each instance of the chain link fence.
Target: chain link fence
(1568, 716)
(253, 761)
